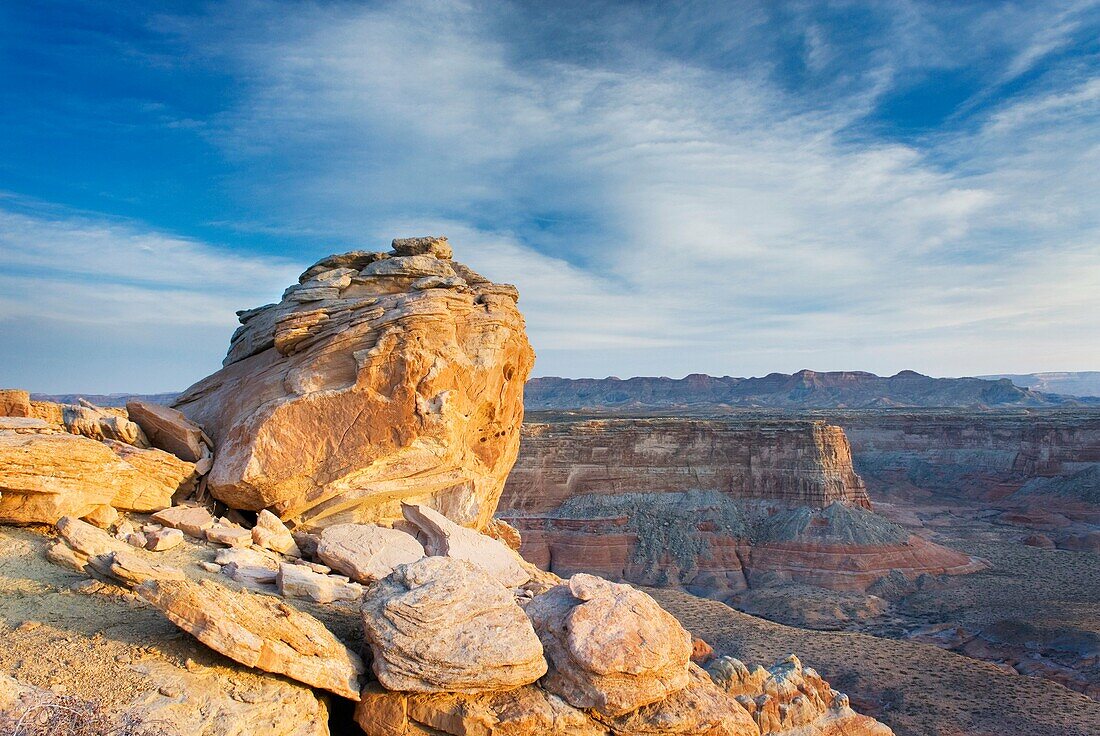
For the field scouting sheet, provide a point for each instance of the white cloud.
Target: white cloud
(663, 215)
(732, 227)
(105, 300)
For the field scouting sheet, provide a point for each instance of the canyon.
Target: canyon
(840, 520)
(713, 507)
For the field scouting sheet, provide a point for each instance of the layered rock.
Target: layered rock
(443, 625)
(259, 631)
(711, 507)
(380, 377)
(789, 698)
(610, 647)
(805, 463)
(46, 476)
(1041, 469)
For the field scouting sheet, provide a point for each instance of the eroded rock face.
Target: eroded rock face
(443, 625)
(15, 403)
(366, 386)
(524, 711)
(259, 631)
(708, 506)
(611, 648)
(805, 463)
(789, 698)
(46, 476)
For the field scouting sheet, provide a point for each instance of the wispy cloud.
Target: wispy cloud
(88, 292)
(700, 217)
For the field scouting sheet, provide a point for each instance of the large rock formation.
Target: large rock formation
(380, 377)
(1038, 470)
(709, 506)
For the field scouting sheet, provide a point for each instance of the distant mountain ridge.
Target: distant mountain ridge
(1066, 383)
(805, 389)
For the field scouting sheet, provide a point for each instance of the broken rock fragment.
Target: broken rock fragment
(443, 537)
(259, 631)
(366, 552)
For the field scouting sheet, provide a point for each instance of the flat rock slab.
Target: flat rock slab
(168, 429)
(259, 631)
(366, 552)
(444, 538)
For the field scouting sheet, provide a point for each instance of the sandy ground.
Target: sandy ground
(111, 648)
(916, 689)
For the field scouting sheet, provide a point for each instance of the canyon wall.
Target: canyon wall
(709, 506)
(800, 462)
(1037, 470)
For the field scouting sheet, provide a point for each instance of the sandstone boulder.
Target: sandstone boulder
(166, 468)
(259, 631)
(299, 581)
(443, 625)
(366, 552)
(97, 423)
(163, 539)
(15, 403)
(524, 711)
(444, 538)
(338, 409)
(699, 709)
(272, 534)
(191, 520)
(427, 246)
(611, 648)
(169, 430)
(46, 476)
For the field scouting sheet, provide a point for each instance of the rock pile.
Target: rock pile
(83, 461)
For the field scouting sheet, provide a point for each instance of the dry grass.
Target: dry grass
(66, 715)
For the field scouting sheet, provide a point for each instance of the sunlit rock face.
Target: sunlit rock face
(378, 378)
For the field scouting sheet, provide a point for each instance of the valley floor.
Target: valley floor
(916, 689)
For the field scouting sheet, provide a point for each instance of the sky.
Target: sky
(723, 188)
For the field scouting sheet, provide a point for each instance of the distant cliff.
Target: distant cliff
(806, 389)
(803, 463)
(710, 506)
(1066, 383)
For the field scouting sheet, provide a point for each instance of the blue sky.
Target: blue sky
(729, 188)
